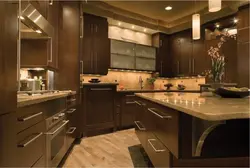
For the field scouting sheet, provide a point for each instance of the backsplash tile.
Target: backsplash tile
(130, 80)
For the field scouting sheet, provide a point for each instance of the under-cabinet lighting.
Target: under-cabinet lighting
(133, 27)
(236, 20)
(21, 17)
(145, 30)
(214, 5)
(119, 23)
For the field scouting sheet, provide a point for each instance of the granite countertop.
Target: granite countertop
(25, 100)
(207, 108)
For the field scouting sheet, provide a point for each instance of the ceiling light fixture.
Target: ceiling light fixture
(168, 8)
(196, 26)
(214, 5)
(217, 25)
(236, 20)
(119, 23)
(145, 30)
(133, 27)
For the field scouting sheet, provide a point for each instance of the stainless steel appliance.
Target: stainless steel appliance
(30, 85)
(56, 143)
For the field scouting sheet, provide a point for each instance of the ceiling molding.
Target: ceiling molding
(103, 9)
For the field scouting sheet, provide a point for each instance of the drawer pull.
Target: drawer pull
(30, 141)
(71, 130)
(158, 115)
(58, 129)
(71, 100)
(101, 89)
(70, 111)
(30, 117)
(138, 103)
(156, 150)
(130, 102)
(130, 95)
(140, 128)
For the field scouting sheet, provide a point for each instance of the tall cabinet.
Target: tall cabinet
(95, 45)
(243, 46)
(8, 81)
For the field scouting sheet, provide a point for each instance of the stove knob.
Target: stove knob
(61, 114)
(55, 118)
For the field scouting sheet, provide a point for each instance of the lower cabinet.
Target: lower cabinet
(72, 130)
(30, 145)
(98, 107)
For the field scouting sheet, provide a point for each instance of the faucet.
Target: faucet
(140, 82)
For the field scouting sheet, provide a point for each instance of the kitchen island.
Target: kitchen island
(186, 129)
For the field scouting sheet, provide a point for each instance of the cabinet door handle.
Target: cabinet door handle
(193, 66)
(156, 150)
(100, 89)
(81, 63)
(71, 130)
(138, 103)
(153, 110)
(96, 28)
(160, 43)
(130, 95)
(178, 67)
(130, 102)
(81, 23)
(161, 67)
(51, 50)
(96, 64)
(70, 111)
(30, 141)
(30, 117)
(138, 126)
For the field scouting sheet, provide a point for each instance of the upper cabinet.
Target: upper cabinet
(95, 52)
(163, 57)
(125, 55)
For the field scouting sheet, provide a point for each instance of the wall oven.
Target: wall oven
(56, 143)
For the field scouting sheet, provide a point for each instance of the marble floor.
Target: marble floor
(109, 150)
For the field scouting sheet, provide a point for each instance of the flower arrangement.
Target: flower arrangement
(218, 59)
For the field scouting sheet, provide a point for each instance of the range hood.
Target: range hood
(33, 24)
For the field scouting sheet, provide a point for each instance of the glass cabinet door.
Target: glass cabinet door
(122, 61)
(145, 64)
(145, 51)
(122, 48)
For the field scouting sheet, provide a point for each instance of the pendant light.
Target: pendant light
(214, 5)
(196, 25)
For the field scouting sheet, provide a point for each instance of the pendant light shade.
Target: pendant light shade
(214, 5)
(196, 26)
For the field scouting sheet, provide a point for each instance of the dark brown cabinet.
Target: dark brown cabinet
(163, 56)
(98, 108)
(42, 6)
(128, 110)
(95, 54)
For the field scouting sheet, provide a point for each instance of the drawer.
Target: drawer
(159, 155)
(165, 126)
(129, 98)
(29, 115)
(30, 145)
(40, 163)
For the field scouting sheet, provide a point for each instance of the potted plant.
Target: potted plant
(218, 61)
(152, 80)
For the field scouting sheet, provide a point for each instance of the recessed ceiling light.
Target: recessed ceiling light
(21, 17)
(236, 20)
(133, 27)
(168, 8)
(145, 30)
(217, 25)
(38, 31)
(119, 23)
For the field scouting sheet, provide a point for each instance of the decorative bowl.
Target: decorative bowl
(229, 93)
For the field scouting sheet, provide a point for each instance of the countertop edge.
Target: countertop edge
(193, 113)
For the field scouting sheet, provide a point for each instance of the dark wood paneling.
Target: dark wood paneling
(34, 52)
(68, 56)
(8, 56)
(243, 47)
(8, 140)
